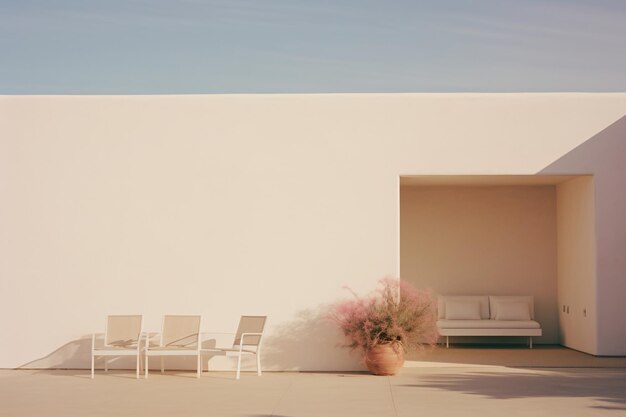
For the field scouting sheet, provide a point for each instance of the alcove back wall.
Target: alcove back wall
(491, 240)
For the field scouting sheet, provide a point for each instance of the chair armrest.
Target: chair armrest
(94, 336)
(250, 334)
(204, 336)
(243, 336)
(139, 342)
(149, 336)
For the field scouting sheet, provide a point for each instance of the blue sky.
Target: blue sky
(291, 46)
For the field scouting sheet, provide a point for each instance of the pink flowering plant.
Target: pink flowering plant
(396, 313)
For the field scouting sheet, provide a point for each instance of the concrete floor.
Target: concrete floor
(445, 382)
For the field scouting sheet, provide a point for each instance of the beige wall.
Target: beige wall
(231, 204)
(483, 241)
(577, 265)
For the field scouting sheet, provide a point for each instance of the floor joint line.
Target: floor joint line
(393, 401)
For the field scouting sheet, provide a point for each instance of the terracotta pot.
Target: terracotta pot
(385, 359)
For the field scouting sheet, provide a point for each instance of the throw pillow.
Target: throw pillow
(517, 310)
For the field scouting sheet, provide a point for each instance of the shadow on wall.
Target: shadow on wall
(309, 342)
(607, 390)
(76, 354)
(601, 154)
(65, 357)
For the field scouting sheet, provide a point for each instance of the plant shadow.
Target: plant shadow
(606, 387)
(308, 342)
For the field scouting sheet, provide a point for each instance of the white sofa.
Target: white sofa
(486, 315)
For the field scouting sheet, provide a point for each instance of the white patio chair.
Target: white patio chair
(180, 336)
(247, 341)
(122, 337)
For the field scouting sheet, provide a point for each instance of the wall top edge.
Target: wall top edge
(260, 95)
(486, 180)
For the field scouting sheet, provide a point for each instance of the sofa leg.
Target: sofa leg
(447, 342)
(530, 344)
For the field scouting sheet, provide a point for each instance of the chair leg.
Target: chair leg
(146, 364)
(92, 365)
(198, 367)
(238, 366)
(137, 367)
(258, 364)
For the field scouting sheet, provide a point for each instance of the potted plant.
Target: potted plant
(384, 325)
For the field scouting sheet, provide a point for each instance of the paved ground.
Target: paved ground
(455, 382)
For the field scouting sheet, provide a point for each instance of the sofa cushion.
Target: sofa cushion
(488, 324)
(462, 310)
(494, 300)
(483, 300)
(517, 310)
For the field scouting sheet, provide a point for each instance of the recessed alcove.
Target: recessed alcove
(506, 235)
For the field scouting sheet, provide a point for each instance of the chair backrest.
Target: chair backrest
(123, 331)
(250, 324)
(180, 331)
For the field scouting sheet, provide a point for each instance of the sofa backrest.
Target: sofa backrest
(483, 301)
(488, 305)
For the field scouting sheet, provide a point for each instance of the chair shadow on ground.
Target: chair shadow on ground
(309, 341)
(607, 388)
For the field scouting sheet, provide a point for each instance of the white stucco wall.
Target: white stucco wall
(231, 204)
